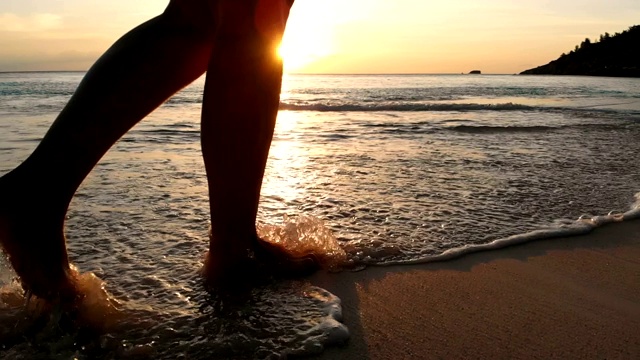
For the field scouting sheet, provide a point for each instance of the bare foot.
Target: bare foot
(33, 240)
(241, 265)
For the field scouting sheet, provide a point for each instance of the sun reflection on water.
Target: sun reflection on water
(287, 161)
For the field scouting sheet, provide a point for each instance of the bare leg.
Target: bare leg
(242, 95)
(137, 74)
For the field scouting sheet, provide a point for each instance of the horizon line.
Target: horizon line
(291, 73)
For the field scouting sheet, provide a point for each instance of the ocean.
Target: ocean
(387, 169)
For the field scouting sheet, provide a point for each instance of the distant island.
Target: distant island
(615, 55)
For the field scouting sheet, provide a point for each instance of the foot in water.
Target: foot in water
(32, 237)
(258, 261)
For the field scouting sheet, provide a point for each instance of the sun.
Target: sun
(299, 49)
(306, 40)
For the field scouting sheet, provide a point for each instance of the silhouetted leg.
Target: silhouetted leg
(137, 74)
(242, 95)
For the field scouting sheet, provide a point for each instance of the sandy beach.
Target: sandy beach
(564, 298)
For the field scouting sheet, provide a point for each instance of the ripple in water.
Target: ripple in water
(272, 320)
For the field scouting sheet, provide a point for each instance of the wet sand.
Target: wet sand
(564, 298)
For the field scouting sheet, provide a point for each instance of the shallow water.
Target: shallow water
(398, 168)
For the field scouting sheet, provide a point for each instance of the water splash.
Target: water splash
(304, 235)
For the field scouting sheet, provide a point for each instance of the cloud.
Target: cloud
(30, 23)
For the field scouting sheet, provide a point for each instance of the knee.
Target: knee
(232, 17)
(197, 14)
(264, 17)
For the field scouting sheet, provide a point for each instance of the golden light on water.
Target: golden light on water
(287, 160)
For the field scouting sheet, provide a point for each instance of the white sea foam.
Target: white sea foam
(634, 213)
(584, 225)
(328, 331)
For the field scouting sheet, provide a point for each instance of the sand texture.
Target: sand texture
(565, 298)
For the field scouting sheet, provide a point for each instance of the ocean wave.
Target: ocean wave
(403, 107)
(389, 104)
(491, 129)
(386, 104)
(478, 129)
(169, 131)
(472, 127)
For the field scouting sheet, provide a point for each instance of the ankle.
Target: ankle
(24, 195)
(236, 246)
(16, 188)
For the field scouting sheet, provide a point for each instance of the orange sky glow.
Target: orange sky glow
(336, 36)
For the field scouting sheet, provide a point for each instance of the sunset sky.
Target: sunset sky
(337, 36)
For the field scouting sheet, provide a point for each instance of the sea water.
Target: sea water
(370, 169)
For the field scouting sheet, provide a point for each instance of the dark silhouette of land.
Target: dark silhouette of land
(611, 55)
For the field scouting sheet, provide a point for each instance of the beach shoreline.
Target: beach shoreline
(573, 297)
